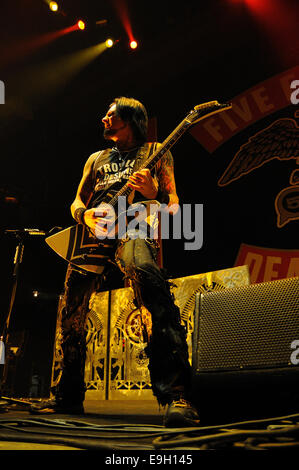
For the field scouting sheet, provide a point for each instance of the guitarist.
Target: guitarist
(125, 125)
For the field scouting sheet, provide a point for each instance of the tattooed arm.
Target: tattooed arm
(166, 181)
(161, 187)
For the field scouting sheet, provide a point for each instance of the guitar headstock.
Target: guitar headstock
(204, 110)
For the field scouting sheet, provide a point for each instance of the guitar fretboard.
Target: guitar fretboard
(151, 161)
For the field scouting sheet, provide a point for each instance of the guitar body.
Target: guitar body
(78, 246)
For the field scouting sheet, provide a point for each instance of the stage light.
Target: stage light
(109, 42)
(133, 44)
(81, 24)
(53, 6)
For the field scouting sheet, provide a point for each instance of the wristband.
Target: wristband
(79, 215)
(162, 197)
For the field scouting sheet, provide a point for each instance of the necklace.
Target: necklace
(123, 155)
(125, 151)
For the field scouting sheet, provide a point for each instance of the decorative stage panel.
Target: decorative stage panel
(116, 364)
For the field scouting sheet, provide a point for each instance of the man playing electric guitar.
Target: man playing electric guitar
(125, 125)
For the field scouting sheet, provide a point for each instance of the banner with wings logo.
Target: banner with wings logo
(261, 127)
(279, 140)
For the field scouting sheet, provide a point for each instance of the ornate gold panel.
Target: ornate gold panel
(116, 364)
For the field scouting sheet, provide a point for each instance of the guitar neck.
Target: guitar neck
(198, 113)
(152, 161)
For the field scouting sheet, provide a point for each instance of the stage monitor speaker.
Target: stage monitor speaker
(246, 343)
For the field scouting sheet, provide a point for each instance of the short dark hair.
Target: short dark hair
(132, 111)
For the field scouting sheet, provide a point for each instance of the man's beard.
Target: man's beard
(108, 133)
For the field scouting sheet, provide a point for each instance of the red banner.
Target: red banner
(268, 264)
(254, 104)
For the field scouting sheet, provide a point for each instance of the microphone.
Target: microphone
(25, 231)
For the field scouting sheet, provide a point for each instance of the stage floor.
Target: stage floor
(123, 418)
(133, 427)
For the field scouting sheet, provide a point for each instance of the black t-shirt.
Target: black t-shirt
(112, 169)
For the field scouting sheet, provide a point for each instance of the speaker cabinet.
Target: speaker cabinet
(244, 346)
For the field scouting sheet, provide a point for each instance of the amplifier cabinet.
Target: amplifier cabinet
(246, 351)
(250, 326)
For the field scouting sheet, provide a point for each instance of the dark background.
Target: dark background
(189, 52)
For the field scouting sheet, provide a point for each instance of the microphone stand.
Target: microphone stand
(20, 235)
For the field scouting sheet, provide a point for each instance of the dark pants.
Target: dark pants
(167, 349)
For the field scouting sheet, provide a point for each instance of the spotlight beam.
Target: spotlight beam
(37, 85)
(121, 8)
(25, 48)
(40, 82)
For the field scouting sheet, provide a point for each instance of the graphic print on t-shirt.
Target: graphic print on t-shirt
(113, 172)
(112, 169)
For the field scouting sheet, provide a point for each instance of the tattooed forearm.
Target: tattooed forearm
(166, 174)
(166, 177)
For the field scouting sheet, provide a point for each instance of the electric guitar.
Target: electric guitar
(77, 245)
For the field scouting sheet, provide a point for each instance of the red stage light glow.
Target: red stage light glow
(260, 6)
(26, 47)
(121, 8)
(279, 22)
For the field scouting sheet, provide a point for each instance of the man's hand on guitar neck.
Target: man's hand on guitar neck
(143, 182)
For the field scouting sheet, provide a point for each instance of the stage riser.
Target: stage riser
(116, 365)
